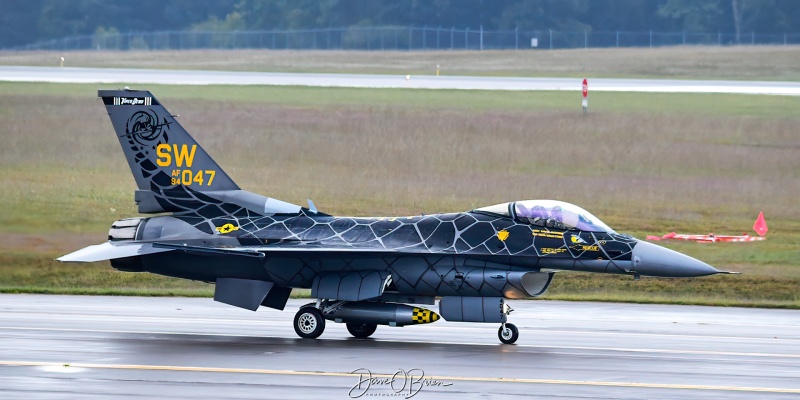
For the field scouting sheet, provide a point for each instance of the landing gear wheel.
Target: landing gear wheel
(308, 323)
(361, 331)
(508, 333)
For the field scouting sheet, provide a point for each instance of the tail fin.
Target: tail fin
(173, 173)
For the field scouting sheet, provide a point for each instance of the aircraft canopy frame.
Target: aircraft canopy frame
(549, 214)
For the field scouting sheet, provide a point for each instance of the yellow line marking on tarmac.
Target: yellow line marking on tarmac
(389, 376)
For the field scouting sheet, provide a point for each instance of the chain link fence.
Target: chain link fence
(401, 38)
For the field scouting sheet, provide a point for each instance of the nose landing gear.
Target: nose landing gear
(508, 333)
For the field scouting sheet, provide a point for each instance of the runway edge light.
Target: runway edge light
(585, 93)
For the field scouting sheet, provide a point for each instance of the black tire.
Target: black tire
(508, 333)
(308, 323)
(361, 331)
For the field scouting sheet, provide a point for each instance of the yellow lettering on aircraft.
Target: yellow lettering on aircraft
(211, 174)
(182, 154)
(550, 250)
(164, 158)
(188, 177)
(547, 234)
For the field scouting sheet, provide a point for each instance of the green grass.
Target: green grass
(777, 63)
(644, 163)
(449, 100)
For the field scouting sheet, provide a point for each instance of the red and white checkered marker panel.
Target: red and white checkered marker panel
(760, 227)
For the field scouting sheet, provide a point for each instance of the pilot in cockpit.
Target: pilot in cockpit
(555, 218)
(538, 215)
(550, 214)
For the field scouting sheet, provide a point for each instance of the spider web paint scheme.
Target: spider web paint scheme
(361, 270)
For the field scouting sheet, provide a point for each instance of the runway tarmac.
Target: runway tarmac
(195, 77)
(65, 347)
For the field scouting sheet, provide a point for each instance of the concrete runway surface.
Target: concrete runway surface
(195, 77)
(67, 347)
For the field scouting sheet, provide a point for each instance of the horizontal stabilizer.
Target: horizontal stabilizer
(110, 251)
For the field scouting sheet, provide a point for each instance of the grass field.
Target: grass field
(707, 62)
(644, 163)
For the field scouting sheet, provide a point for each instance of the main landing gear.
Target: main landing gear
(361, 331)
(308, 323)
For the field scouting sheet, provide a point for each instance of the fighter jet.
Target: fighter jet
(363, 272)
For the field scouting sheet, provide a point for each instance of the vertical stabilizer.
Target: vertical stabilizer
(164, 159)
(173, 173)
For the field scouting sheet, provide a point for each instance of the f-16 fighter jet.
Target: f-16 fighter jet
(363, 272)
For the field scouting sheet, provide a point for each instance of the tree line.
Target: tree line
(28, 21)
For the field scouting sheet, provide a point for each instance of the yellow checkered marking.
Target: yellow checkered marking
(423, 316)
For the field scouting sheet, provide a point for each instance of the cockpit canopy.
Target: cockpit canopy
(549, 214)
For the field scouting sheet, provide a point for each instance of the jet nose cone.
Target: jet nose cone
(653, 260)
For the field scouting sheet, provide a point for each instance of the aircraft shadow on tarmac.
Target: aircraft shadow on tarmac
(161, 344)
